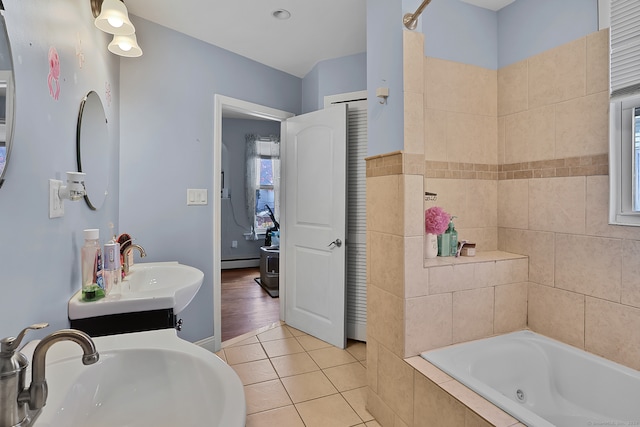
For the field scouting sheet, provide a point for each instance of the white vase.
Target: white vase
(430, 245)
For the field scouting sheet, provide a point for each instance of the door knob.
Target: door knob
(336, 242)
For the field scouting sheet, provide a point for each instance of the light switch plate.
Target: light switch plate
(56, 205)
(196, 196)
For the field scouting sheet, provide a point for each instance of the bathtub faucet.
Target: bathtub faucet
(14, 397)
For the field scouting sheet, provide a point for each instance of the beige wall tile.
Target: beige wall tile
(481, 205)
(556, 313)
(501, 140)
(380, 410)
(412, 187)
(474, 420)
(630, 273)
(384, 205)
(598, 61)
(485, 238)
(510, 308)
(385, 319)
(557, 204)
(372, 363)
(558, 74)
(428, 323)
(413, 61)
(512, 271)
(395, 384)
(435, 135)
(416, 277)
(434, 406)
(530, 135)
(478, 404)
(452, 195)
(451, 278)
(473, 314)
(478, 146)
(589, 265)
(613, 331)
(462, 88)
(513, 88)
(413, 123)
(582, 126)
(387, 267)
(538, 246)
(513, 203)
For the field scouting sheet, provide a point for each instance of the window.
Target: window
(265, 194)
(624, 158)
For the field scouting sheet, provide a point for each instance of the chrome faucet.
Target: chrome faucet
(14, 397)
(125, 255)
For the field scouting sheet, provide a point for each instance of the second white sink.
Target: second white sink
(148, 286)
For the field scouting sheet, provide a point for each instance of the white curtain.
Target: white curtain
(260, 147)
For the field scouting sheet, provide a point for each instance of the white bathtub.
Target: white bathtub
(543, 382)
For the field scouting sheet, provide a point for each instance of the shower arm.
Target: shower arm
(410, 20)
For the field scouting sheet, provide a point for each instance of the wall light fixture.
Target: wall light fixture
(112, 17)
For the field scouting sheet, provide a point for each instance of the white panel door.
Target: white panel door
(314, 230)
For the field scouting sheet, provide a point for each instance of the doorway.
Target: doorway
(230, 108)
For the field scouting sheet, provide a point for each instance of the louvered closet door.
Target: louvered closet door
(357, 221)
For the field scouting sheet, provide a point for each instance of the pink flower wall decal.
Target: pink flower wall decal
(107, 93)
(54, 73)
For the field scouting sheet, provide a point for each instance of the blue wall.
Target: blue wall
(460, 32)
(384, 69)
(529, 27)
(333, 76)
(167, 146)
(39, 257)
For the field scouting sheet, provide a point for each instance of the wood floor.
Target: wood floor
(245, 305)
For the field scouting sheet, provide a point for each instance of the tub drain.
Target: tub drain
(521, 396)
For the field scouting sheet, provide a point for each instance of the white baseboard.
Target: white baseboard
(240, 263)
(207, 344)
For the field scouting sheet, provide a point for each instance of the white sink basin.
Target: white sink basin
(148, 286)
(144, 379)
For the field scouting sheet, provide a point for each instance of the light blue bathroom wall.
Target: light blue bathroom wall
(167, 146)
(39, 257)
(529, 27)
(331, 77)
(384, 69)
(457, 31)
(234, 218)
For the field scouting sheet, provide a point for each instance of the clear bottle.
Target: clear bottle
(454, 238)
(91, 254)
(111, 272)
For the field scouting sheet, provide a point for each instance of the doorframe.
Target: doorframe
(222, 104)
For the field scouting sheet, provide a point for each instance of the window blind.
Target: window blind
(625, 47)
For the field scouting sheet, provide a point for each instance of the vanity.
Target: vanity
(150, 297)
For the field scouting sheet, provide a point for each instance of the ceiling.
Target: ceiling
(317, 30)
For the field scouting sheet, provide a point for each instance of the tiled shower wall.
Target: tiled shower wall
(519, 155)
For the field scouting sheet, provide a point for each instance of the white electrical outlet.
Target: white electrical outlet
(56, 205)
(234, 243)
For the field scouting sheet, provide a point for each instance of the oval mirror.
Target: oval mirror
(93, 151)
(6, 98)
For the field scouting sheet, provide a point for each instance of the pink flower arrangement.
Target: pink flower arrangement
(436, 220)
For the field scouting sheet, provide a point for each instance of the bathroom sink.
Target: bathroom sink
(142, 379)
(148, 286)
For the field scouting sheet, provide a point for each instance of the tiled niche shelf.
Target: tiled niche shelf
(485, 256)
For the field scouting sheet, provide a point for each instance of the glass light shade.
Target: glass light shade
(114, 18)
(125, 46)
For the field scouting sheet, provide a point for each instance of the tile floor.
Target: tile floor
(292, 379)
